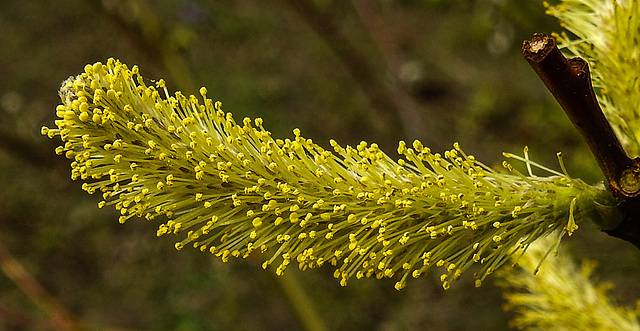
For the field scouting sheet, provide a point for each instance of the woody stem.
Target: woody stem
(569, 82)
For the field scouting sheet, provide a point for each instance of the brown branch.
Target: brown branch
(570, 83)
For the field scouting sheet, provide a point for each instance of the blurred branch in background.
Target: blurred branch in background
(399, 112)
(60, 318)
(383, 101)
(152, 38)
(300, 301)
(411, 109)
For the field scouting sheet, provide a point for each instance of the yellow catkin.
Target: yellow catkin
(230, 188)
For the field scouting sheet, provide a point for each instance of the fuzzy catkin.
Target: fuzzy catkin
(231, 189)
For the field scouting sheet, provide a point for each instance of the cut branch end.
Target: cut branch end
(569, 81)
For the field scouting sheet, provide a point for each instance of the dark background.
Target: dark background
(435, 70)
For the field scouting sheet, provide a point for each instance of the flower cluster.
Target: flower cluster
(606, 35)
(561, 296)
(230, 188)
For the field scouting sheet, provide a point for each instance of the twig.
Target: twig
(570, 83)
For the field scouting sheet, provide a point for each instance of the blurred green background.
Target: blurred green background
(381, 71)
